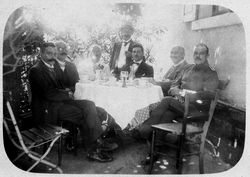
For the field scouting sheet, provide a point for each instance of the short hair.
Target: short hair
(180, 49)
(203, 45)
(45, 45)
(127, 26)
(61, 47)
(138, 45)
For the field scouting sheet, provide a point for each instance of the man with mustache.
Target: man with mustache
(199, 77)
(138, 65)
(122, 50)
(51, 102)
(177, 56)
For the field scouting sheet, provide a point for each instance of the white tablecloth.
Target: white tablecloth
(118, 101)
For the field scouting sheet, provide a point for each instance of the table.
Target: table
(120, 102)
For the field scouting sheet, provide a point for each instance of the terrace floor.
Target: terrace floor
(127, 160)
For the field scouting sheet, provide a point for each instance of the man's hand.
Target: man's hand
(165, 80)
(152, 81)
(71, 95)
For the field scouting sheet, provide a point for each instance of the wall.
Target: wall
(227, 50)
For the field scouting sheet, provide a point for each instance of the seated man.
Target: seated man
(65, 70)
(68, 75)
(198, 77)
(177, 56)
(138, 68)
(94, 63)
(52, 102)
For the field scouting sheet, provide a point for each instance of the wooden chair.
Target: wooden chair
(28, 140)
(190, 125)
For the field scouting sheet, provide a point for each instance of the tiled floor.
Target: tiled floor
(127, 160)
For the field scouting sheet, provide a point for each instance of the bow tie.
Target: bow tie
(136, 63)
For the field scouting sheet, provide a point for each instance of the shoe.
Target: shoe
(105, 146)
(99, 156)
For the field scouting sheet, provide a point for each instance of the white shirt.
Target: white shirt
(135, 66)
(180, 62)
(122, 57)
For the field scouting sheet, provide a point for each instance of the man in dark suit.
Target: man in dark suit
(122, 51)
(138, 68)
(65, 70)
(68, 75)
(175, 72)
(52, 102)
(198, 77)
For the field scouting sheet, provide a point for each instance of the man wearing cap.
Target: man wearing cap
(122, 51)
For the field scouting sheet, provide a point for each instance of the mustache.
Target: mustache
(51, 59)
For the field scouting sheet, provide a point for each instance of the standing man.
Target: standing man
(198, 77)
(177, 56)
(51, 102)
(122, 51)
(138, 65)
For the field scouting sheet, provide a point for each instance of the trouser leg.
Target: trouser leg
(160, 114)
(91, 121)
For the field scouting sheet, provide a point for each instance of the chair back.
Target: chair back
(208, 99)
(210, 115)
(10, 122)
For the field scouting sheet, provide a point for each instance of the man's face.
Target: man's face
(176, 55)
(200, 55)
(137, 54)
(126, 34)
(49, 54)
(61, 56)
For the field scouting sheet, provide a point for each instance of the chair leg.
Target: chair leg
(152, 153)
(75, 139)
(201, 158)
(179, 162)
(60, 151)
(201, 163)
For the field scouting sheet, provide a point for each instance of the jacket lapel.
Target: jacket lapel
(139, 71)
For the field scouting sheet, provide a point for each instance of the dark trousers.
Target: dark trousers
(165, 112)
(84, 114)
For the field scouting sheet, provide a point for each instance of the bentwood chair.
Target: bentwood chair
(27, 141)
(190, 125)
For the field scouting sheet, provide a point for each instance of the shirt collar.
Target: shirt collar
(180, 62)
(139, 62)
(61, 63)
(126, 41)
(48, 65)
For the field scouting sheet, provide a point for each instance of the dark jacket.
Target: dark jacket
(174, 73)
(69, 77)
(200, 78)
(143, 70)
(115, 54)
(48, 94)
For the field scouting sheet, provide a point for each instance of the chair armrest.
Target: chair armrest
(198, 117)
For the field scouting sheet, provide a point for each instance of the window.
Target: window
(209, 16)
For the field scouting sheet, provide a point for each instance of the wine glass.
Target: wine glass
(124, 74)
